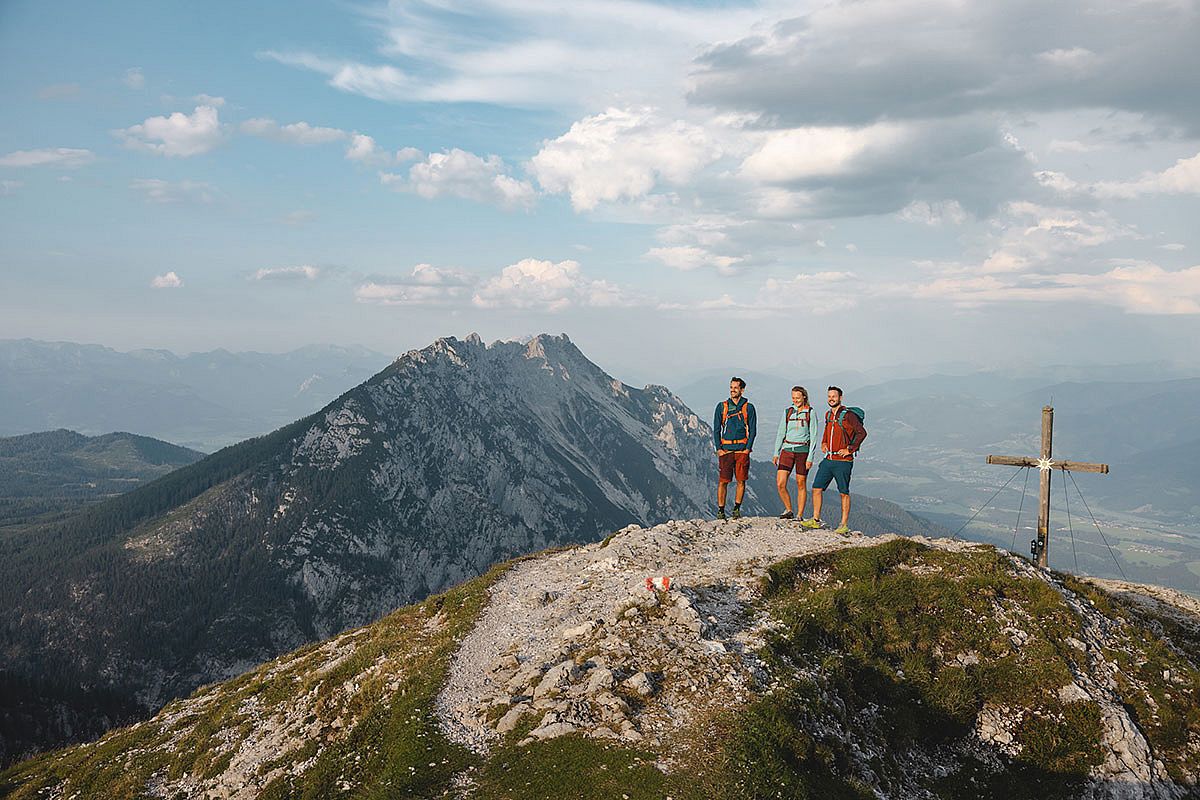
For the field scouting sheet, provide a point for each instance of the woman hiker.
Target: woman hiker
(793, 448)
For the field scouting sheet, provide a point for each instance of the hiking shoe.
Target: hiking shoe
(811, 524)
(720, 513)
(844, 530)
(787, 515)
(737, 513)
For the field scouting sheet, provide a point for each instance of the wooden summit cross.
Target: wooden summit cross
(1041, 545)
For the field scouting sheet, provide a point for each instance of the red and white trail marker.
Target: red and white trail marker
(658, 582)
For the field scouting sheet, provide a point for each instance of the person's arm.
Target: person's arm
(752, 420)
(780, 435)
(857, 432)
(717, 428)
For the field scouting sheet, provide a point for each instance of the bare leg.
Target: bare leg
(722, 488)
(846, 509)
(801, 495)
(739, 493)
(816, 503)
(781, 478)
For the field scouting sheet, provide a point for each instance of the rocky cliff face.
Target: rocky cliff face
(455, 457)
(757, 662)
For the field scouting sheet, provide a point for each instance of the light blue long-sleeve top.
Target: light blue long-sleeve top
(795, 433)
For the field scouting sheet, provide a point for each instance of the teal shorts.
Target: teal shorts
(834, 470)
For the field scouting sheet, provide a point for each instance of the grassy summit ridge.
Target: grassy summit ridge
(897, 668)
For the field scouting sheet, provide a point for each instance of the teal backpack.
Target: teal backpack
(858, 412)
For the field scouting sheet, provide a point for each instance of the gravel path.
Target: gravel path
(548, 610)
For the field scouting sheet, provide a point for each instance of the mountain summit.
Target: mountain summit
(453, 458)
(699, 660)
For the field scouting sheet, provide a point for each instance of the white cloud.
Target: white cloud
(620, 154)
(208, 100)
(301, 273)
(546, 286)
(1174, 247)
(799, 154)
(61, 157)
(134, 78)
(1182, 178)
(179, 134)
(9, 187)
(458, 173)
(300, 133)
(168, 281)
(157, 190)
(532, 53)
(364, 150)
(689, 257)
(427, 285)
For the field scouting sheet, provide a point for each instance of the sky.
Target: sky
(675, 185)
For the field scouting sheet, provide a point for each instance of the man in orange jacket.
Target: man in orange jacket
(844, 434)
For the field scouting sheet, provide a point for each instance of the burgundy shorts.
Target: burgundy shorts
(734, 464)
(788, 459)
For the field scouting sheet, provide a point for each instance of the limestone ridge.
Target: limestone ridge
(777, 663)
(453, 458)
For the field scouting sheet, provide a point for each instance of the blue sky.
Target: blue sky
(862, 183)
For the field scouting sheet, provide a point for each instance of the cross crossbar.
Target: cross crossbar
(1045, 465)
(1070, 466)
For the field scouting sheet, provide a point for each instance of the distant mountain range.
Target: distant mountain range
(202, 400)
(57, 471)
(451, 459)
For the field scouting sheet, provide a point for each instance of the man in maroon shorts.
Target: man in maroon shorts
(734, 426)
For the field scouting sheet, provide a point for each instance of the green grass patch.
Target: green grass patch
(388, 744)
(903, 646)
(570, 767)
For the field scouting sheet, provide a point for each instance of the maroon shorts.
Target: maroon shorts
(734, 464)
(788, 459)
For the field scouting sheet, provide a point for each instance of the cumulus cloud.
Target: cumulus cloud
(301, 273)
(300, 133)
(458, 173)
(546, 286)
(61, 157)
(156, 190)
(689, 257)
(426, 285)
(621, 153)
(169, 280)
(181, 135)
(364, 150)
(1182, 178)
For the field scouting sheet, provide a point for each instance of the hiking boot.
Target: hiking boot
(843, 530)
(811, 524)
(737, 512)
(787, 515)
(720, 513)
